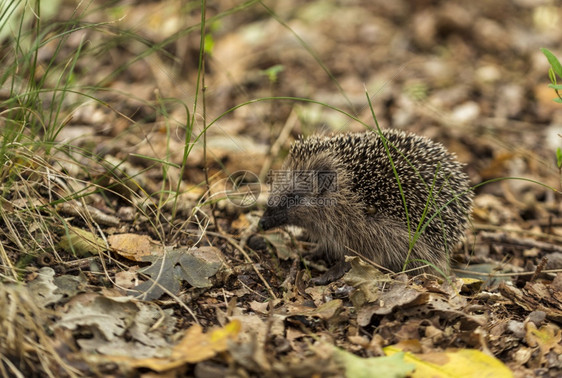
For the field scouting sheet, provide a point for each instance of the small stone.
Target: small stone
(537, 317)
(466, 112)
(517, 328)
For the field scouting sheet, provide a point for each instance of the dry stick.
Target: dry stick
(539, 268)
(292, 276)
(274, 151)
(521, 242)
(6, 260)
(488, 227)
(78, 264)
(550, 222)
(244, 285)
(247, 257)
(378, 266)
(471, 272)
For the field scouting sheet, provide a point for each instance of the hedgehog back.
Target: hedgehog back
(429, 175)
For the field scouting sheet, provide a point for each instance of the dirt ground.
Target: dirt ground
(127, 250)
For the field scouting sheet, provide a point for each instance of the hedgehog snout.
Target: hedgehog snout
(273, 217)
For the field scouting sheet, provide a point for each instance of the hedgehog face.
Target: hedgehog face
(300, 195)
(294, 207)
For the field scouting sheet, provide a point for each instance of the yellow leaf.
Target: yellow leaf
(546, 338)
(219, 337)
(374, 367)
(471, 284)
(454, 363)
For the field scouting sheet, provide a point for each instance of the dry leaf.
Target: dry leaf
(195, 346)
(134, 246)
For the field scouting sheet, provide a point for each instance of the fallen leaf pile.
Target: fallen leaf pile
(424, 325)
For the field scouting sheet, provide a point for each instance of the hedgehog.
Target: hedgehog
(342, 189)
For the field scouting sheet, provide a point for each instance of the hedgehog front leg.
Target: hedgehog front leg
(335, 262)
(335, 272)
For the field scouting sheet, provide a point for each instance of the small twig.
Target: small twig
(77, 208)
(7, 263)
(291, 277)
(489, 227)
(550, 222)
(80, 263)
(520, 242)
(492, 275)
(251, 290)
(378, 266)
(539, 268)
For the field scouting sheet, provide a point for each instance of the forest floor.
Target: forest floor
(127, 250)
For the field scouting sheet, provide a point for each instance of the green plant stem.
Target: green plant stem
(204, 100)
(411, 240)
(191, 121)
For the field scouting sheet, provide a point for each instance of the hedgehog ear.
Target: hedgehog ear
(323, 162)
(325, 168)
